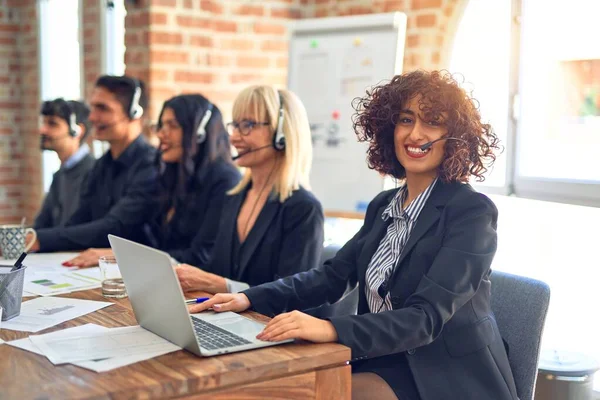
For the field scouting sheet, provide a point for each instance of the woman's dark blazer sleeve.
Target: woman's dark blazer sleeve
(326, 283)
(464, 259)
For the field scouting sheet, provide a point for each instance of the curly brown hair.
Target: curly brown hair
(377, 114)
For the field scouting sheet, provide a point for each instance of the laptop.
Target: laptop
(159, 306)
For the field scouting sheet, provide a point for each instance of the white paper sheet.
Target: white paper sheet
(115, 342)
(48, 261)
(44, 312)
(44, 283)
(93, 365)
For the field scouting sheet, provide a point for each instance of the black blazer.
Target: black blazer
(440, 290)
(286, 238)
(190, 235)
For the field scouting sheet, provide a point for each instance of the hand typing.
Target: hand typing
(298, 325)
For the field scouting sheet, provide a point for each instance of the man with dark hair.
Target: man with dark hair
(64, 129)
(120, 193)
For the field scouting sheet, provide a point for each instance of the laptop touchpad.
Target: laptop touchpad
(234, 323)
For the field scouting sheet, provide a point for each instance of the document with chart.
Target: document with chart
(44, 312)
(115, 342)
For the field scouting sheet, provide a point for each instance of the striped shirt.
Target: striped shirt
(390, 248)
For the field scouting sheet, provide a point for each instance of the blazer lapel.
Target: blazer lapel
(230, 224)
(429, 215)
(262, 224)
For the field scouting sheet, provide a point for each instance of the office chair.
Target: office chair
(520, 306)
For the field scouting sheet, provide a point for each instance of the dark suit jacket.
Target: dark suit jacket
(440, 291)
(62, 199)
(190, 235)
(286, 238)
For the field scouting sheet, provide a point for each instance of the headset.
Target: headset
(201, 130)
(135, 109)
(279, 137)
(74, 129)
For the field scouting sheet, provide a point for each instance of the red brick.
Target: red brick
(201, 41)
(158, 75)
(11, 41)
(245, 78)
(274, 45)
(9, 28)
(193, 22)
(247, 9)
(412, 40)
(282, 62)
(421, 4)
(158, 18)
(188, 4)
(289, 13)
(165, 38)
(252, 61)
(435, 58)
(193, 77)
(270, 29)
(211, 6)
(169, 3)
(359, 10)
(322, 12)
(168, 57)
(426, 20)
(218, 60)
(236, 44)
(394, 5)
(13, 105)
(225, 26)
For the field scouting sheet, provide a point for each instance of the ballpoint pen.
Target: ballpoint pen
(198, 300)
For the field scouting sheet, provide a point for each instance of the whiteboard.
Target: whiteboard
(331, 62)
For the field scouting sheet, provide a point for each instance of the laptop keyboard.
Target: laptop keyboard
(212, 337)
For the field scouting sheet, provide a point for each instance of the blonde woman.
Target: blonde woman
(271, 225)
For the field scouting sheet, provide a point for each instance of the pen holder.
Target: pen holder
(11, 293)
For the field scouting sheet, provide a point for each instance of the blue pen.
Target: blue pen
(198, 300)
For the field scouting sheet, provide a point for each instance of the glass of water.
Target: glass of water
(112, 281)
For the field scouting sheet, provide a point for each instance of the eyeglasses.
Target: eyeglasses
(244, 127)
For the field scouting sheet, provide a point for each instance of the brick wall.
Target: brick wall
(215, 47)
(20, 165)
(92, 43)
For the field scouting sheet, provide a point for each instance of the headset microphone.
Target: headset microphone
(429, 144)
(250, 151)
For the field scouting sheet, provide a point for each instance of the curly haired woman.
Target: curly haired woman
(424, 329)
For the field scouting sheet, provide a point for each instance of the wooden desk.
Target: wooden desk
(290, 371)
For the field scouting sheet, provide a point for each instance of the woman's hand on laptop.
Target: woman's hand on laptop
(236, 302)
(298, 325)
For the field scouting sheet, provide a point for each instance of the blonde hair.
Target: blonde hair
(262, 103)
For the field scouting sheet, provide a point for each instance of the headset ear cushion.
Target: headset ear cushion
(137, 113)
(74, 129)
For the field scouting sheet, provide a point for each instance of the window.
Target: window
(60, 63)
(559, 125)
(481, 53)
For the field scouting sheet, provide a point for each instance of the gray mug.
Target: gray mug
(12, 240)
